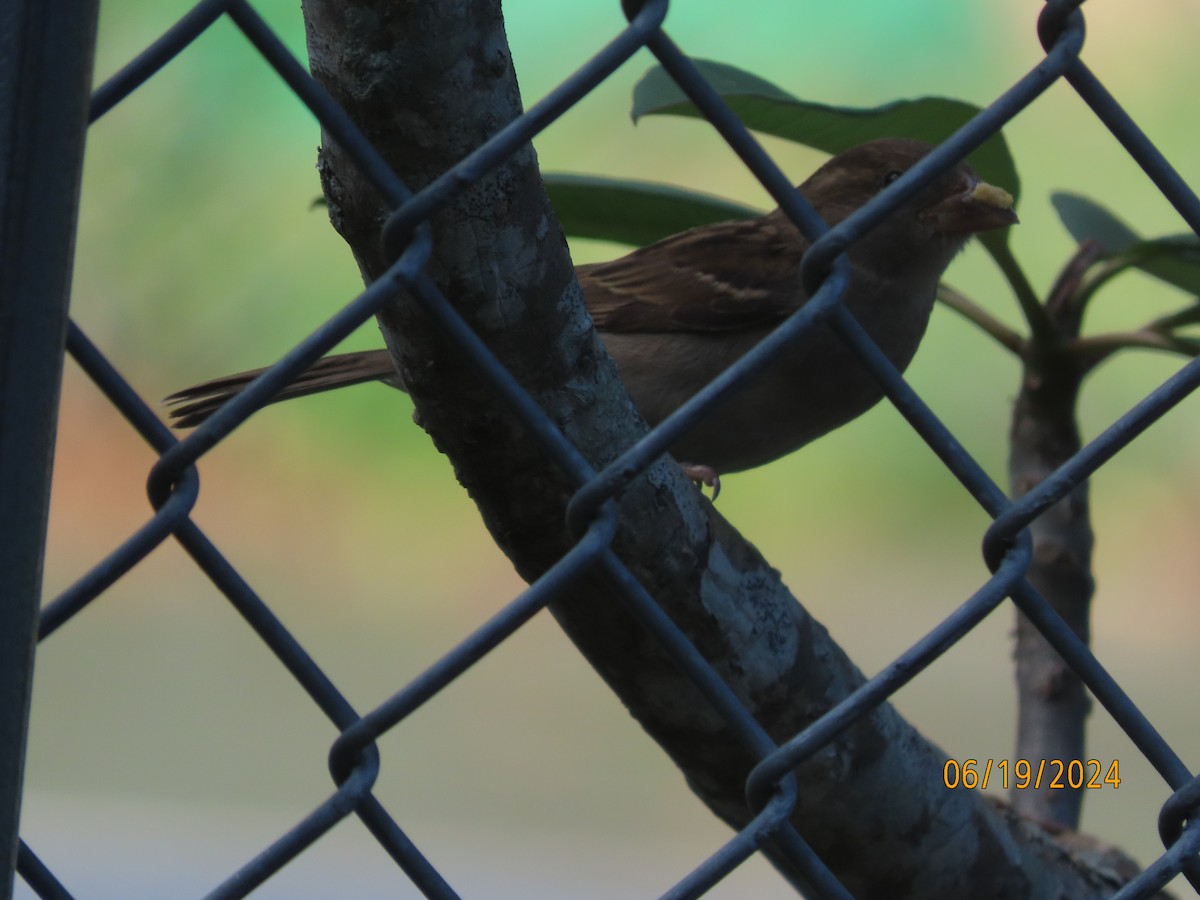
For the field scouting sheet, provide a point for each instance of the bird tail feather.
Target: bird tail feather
(193, 405)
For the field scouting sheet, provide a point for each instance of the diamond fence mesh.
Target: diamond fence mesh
(355, 761)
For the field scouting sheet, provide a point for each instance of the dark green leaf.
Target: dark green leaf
(633, 212)
(769, 109)
(1174, 259)
(1087, 220)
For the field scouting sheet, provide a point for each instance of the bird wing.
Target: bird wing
(725, 277)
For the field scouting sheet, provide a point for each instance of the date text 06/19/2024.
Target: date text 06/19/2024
(1023, 774)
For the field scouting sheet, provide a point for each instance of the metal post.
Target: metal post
(46, 53)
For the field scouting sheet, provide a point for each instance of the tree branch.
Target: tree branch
(429, 82)
(1092, 350)
(996, 244)
(972, 312)
(1052, 704)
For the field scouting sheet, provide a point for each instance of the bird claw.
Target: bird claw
(703, 475)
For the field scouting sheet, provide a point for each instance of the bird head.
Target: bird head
(929, 227)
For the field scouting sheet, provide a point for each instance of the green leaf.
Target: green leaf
(1174, 259)
(1087, 220)
(767, 108)
(633, 212)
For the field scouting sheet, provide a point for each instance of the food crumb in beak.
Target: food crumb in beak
(991, 195)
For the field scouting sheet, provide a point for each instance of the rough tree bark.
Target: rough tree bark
(428, 82)
(1052, 702)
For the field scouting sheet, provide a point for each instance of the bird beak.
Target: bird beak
(978, 207)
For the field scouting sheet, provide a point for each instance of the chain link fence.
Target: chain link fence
(37, 157)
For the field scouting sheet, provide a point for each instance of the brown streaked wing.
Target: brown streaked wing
(724, 277)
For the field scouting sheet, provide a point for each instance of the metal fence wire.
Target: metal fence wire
(355, 762)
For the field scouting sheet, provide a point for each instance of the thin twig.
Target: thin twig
(1093, 350)
(1068, 290)
(976, 314)
(1187, 316)
(1035, 314)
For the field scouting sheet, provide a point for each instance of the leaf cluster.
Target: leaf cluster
(637, 212)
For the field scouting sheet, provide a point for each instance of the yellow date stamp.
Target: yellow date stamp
(1025, 774)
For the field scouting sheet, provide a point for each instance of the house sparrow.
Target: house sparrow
(676, 313)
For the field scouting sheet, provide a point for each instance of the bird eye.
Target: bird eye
(891, 176)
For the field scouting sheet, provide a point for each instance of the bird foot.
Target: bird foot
(703, 475)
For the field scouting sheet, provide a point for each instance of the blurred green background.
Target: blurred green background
(168, 746)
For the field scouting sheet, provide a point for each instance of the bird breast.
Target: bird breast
(815, 386)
